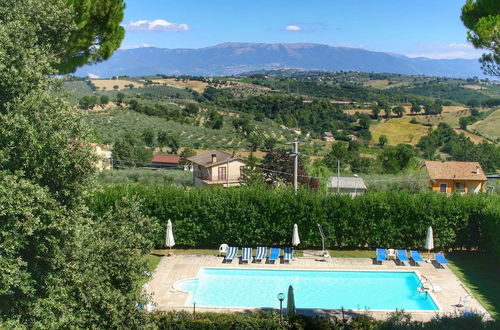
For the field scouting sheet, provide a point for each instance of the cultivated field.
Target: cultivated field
(108, 84)
(195, 85)
(475, 87)
(450, 115)
(383, 84)
(399, 130)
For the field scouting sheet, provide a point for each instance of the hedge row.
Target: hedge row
(398, 320)
(260, 216)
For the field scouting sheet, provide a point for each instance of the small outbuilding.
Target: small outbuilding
(165, 161)
(347, 185)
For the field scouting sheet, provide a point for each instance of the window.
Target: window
(443, 187)
(241, 169)
(460, 187)
(222, 173)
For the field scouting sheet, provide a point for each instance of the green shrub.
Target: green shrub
(253, 321)
(261, 216)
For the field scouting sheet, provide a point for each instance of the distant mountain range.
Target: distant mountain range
(236, 58)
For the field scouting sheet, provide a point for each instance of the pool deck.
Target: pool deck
(174, 268)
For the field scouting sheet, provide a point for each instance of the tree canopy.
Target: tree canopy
(96, 33)
(482, 18)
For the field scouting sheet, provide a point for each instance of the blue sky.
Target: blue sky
(430, 28)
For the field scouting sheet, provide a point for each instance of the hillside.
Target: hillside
(262, 110)
(489, 126)
(235, 58)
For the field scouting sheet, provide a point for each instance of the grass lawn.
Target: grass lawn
(152, 263)
(352, 253)
(479, 272)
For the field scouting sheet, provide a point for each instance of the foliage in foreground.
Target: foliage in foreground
(260, 216)
(234, 321)
(60, 267)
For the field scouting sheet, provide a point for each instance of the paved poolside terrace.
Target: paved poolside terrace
(179, 267)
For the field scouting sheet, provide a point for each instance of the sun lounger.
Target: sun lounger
(402, 256)
(274, 255)
(381, 255)
(440, 259)
(287, 254)
(261, 253)
(231, 254)
(246, 254)
(415, 255)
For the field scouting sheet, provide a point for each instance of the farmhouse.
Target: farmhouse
(347, 185)
(217, 169)
(327, 136)
(104, 162)
(165, 161)
(459, 177)
(352, 137)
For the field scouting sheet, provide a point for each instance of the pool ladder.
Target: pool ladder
(423, 288)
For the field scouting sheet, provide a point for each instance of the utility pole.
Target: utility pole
(295, 164)
(227, 174)
(295, 154)
(338, 176)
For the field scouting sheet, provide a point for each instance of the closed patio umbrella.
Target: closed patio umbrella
(169, 239)
(429, 242)
(290, 303)
(295, 235)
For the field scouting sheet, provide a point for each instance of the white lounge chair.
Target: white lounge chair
(287, 254)
(246, 255)
(231, 254)
(261, 253)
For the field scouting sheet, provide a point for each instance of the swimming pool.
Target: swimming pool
(374, 290)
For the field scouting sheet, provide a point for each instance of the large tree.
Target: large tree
(60, 267)
(97, 33)
(482, 18)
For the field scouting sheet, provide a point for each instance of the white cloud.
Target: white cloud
(444, 51)
(92, 76)
(293, 28)
(123, 47)
(157, 25)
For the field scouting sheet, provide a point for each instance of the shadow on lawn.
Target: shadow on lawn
(479, 272)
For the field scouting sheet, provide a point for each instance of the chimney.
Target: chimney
(234, 154)
(214, 158)
(478, 169)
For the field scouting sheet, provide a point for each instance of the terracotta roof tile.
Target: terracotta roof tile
(455, 170)
(167, 159)
(205, 159)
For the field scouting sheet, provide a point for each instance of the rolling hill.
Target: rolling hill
(235, 58)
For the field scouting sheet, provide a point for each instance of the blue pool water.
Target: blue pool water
(225, 287)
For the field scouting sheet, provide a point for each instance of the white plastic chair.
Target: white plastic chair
(391, 253)
(223, 249)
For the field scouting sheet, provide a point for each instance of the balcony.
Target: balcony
(209, 179)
